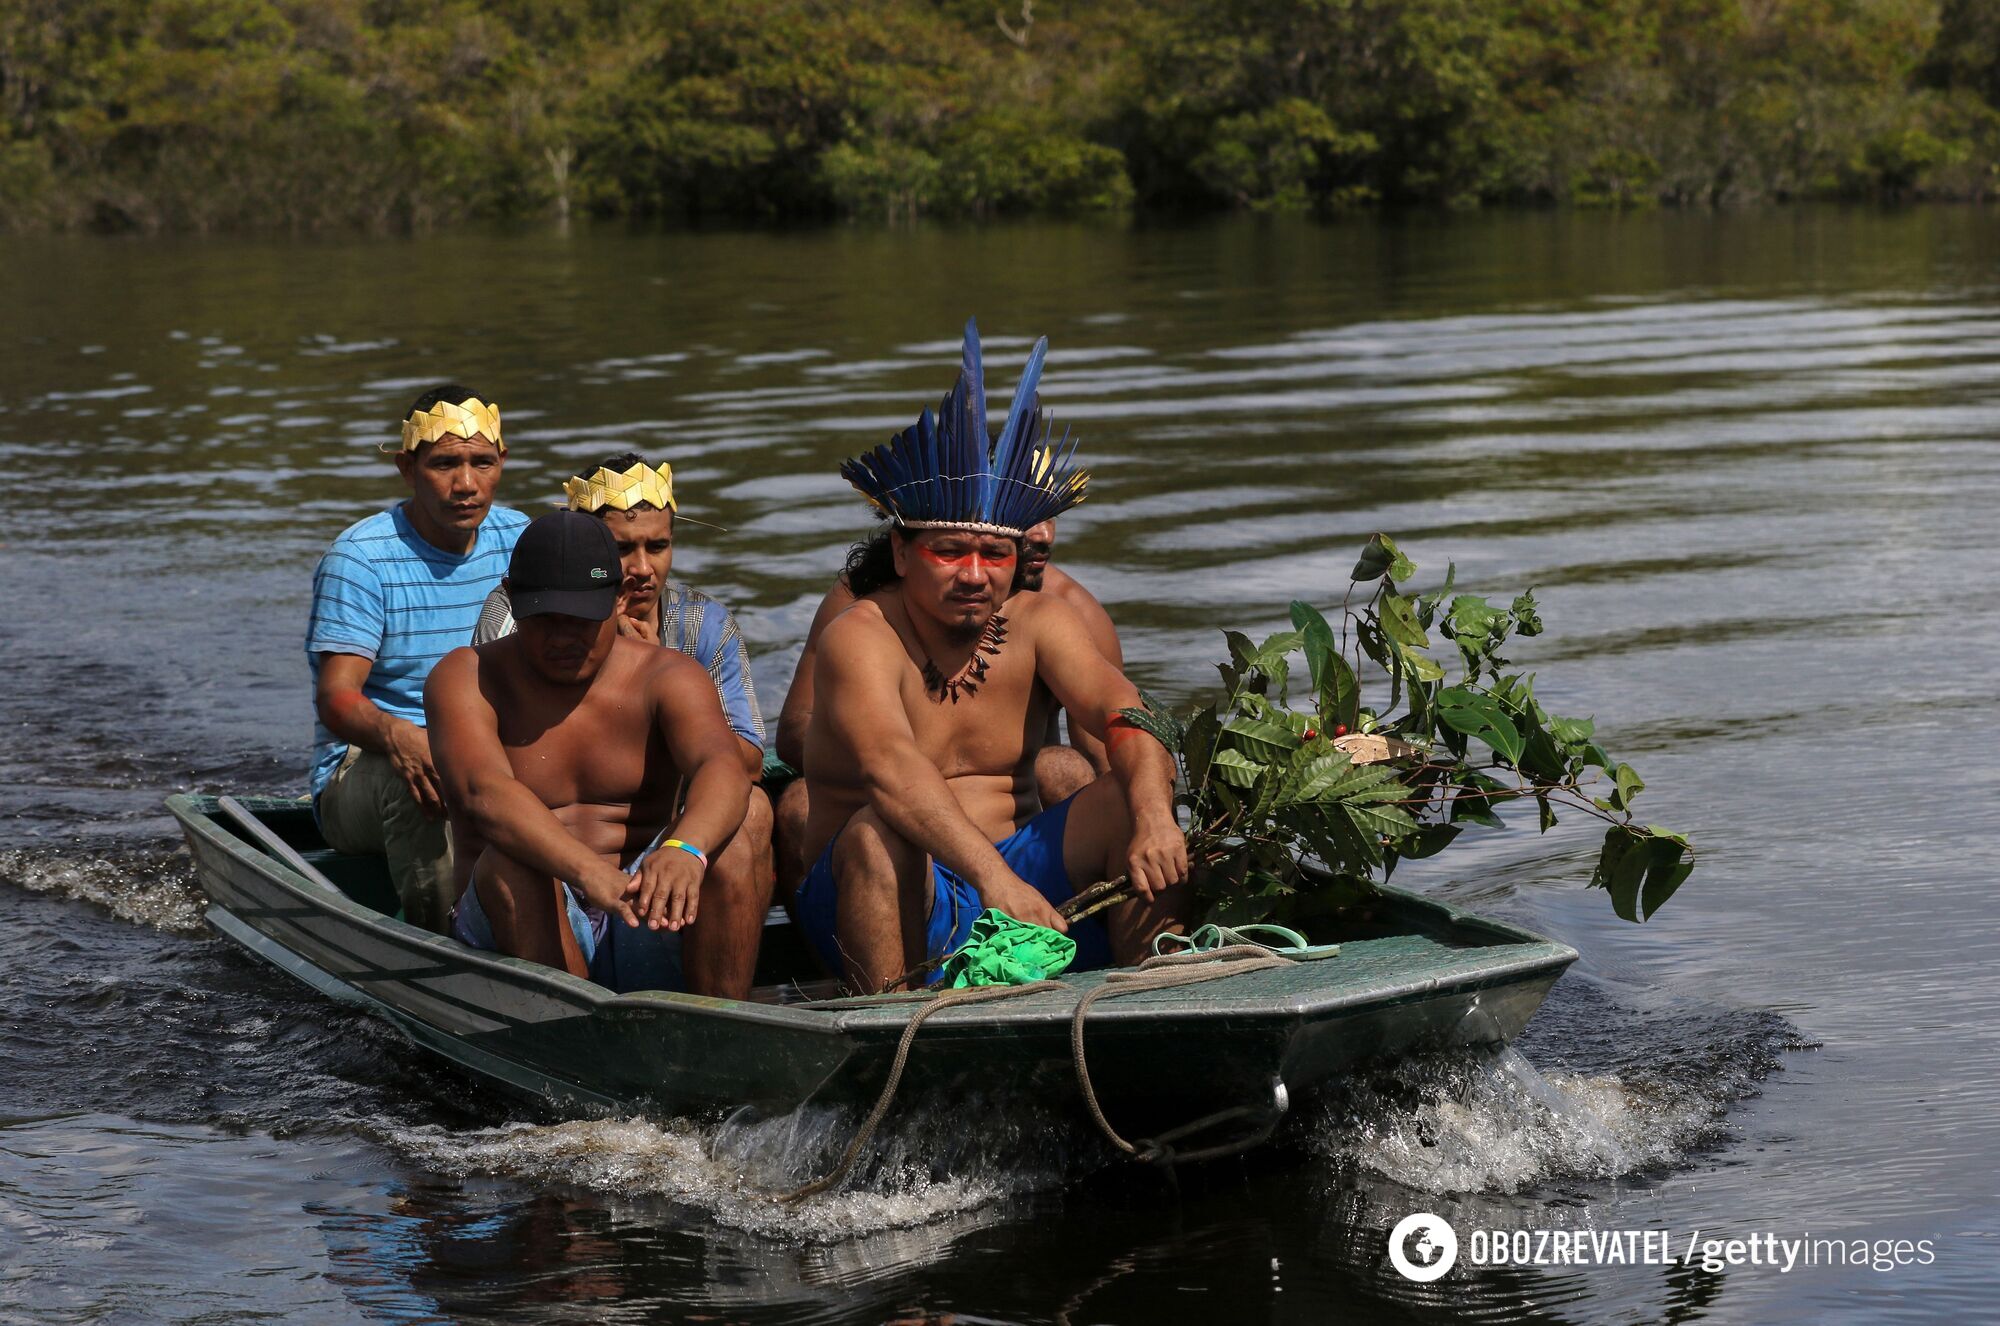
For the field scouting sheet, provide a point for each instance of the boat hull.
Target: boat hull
(1422, 976)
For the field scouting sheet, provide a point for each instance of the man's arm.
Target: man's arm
(480, 785)
(1084, 683)
(355, 719)
(708, 756)
(796, 716)
(1103, 633)
(857, 670)
(345, 632)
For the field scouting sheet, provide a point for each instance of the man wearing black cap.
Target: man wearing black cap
(566, 747)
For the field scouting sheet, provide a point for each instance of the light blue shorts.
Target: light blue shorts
(621, 957)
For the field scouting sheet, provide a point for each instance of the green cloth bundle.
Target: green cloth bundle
(1004, 951)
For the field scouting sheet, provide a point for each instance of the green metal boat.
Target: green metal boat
(1410, 974)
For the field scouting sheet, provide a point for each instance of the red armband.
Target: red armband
(1117, 727)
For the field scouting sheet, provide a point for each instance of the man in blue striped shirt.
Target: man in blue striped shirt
(393, 595)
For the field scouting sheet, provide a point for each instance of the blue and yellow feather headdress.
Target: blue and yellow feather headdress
(946, 472)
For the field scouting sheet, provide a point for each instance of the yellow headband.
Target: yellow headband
(642, 484)
(468, 418)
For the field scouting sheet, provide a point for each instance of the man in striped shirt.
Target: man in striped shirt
(393, 595)
(636, 503)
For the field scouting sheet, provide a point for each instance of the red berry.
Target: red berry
(1308, 734)
(1340, 729)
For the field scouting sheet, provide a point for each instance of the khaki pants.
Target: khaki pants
(366, 807)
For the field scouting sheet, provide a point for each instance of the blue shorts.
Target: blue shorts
(621, 957)
(1034, 852)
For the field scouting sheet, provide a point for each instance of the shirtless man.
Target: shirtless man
(1061, 771)
(564, 745)
(920, 752)
(636, 502)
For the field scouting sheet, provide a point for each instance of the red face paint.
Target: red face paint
(970, 557)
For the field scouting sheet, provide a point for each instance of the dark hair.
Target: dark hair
(871, 564)
(451, 393)
(617, 464)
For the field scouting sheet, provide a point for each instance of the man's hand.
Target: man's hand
(1157, 854)
(410, 755)
(609, 889)
(1018, 899)
(634, 629)
(668, 889)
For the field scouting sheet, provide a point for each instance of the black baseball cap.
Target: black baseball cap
(565, 562)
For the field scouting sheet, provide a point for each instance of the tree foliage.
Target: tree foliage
(204, 114)
(1361, 786)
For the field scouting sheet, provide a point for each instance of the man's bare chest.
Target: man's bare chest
(601, 752)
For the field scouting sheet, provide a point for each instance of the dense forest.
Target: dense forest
(310, 114)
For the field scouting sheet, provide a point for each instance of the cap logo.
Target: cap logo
(599, 573)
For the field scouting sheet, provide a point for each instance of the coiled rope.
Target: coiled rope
(1159, 972)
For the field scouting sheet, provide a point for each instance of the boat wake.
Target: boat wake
(924, 1166)
(1624, 1093)
(1644, 1099)
(152, 886)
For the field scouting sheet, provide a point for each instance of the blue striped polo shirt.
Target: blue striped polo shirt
(383, 592)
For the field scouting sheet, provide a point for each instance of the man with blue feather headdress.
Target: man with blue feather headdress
(921, 748)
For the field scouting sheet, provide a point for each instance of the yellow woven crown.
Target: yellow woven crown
(640, 485)
(470, 416)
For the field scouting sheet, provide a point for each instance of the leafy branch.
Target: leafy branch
(1362, 787)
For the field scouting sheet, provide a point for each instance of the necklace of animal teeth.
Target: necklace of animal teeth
(967, 679)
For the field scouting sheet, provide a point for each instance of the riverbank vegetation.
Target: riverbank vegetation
(314, 114)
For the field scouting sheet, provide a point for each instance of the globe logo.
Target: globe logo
(1423, 1246)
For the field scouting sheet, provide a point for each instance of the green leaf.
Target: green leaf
(1548, 813)
(1383, 557)
(1427, 602)
(1161, 713)
(1573, 733)
(1471, 618)
(1399, 623)
(1382, 821)
(1276, 649)
(1317, 637)
(1235, 769)
(1541, 757)
(1333, 777)
(1375, 561)
(1198, 745)
(1260, 738)
(1526, 619)
(1164, 731)
(1628, 785)
(1479, 715)
(1621, 866)
(1428, 840)
(1475, 808)
(1340, 698)
(1420, 665)
(1666, 866)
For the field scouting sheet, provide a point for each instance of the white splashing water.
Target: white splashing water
(1496, 1124)
(161, 894)
(914, 1173)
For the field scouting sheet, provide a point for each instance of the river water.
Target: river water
(1747, 461)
